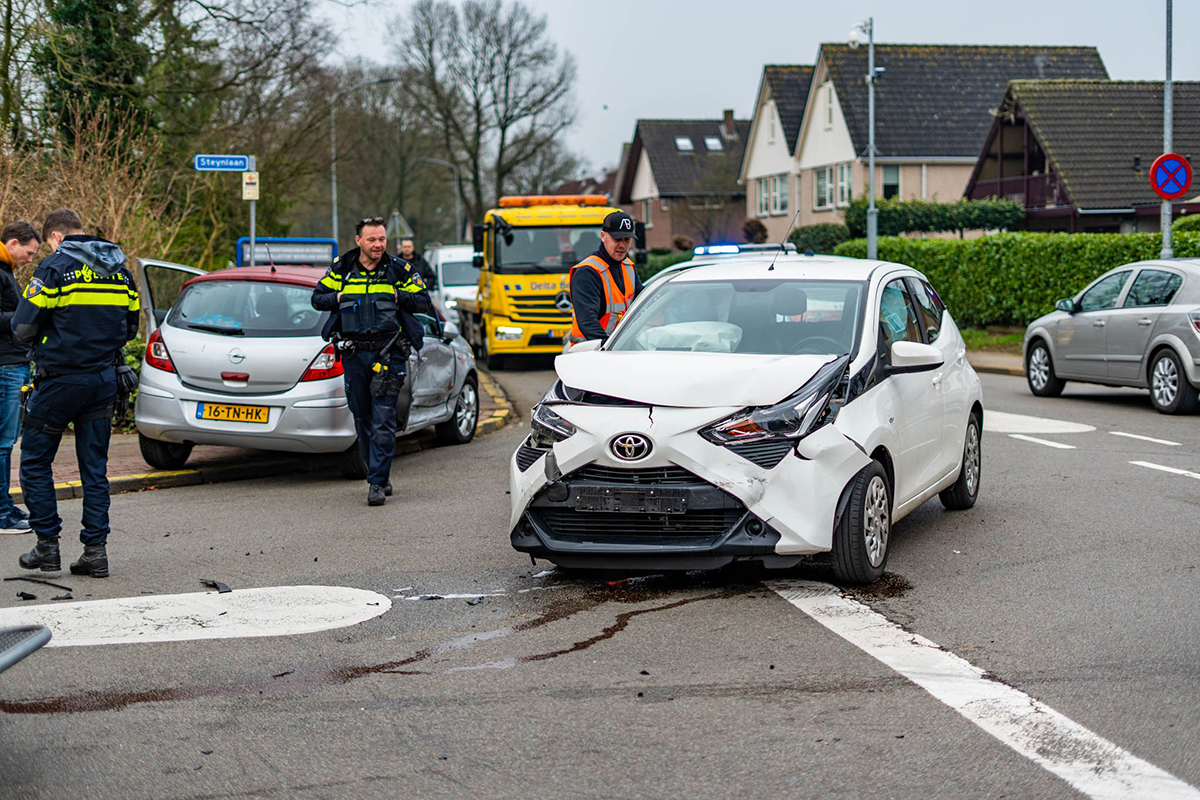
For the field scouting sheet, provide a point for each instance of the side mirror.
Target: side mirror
(1066, 304)
(914, 357)
(584, 347)
(477, 244)
(450, 330)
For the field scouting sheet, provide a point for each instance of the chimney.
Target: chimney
(727, 128)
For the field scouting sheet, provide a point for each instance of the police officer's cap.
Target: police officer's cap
(618, 225)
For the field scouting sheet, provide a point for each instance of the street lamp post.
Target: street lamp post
(458, 222)
(867, 26)
(333, 199)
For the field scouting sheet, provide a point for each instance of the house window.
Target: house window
(663, 205)
(764, 197)
(779, 194)
(891, 180)
(713, 144)
(706, 203)
(824, 188)
(843, 185)
(829, 106)
(684, 144)
(648, 212)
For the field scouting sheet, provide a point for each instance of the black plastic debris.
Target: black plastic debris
(285, 673)
(41, 581)
(206, 752)
(220, 587)
(26, 596)
(644, 672)
(474, 601)
(63, 597)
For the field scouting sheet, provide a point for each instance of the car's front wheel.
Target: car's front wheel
(351, 464)
(860, 542)
(1039, 371)
(1170, 391)
(964, 491)
(164, 455)
(460, 428)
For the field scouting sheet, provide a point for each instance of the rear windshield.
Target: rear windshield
(247, 308)
(459, 273)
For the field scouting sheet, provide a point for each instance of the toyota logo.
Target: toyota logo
(562, 301)
(236, 356)
(630, 447)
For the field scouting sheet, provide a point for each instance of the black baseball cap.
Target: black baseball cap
(618, 225)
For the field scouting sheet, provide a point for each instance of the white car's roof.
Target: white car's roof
(453, 252)
(786, 266)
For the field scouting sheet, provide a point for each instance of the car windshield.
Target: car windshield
(545, 249)
(247, 308)
(459, 273)
(770, 317)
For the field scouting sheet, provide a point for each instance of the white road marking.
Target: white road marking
(1036, 440)
(1167, 442)
(242, 613)
(1172, 470)
(1003, 422)
(1091, 764)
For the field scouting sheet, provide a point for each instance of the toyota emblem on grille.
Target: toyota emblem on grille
(236, 356)
(630, 447)
(562, 301)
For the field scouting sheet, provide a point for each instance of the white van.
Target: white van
(456, 276)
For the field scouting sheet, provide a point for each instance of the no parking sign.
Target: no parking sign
(1170, 176)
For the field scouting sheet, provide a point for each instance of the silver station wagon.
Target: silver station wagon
(1137, 325)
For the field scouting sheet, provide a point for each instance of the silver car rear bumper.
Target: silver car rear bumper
(311, 417)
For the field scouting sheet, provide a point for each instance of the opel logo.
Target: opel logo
(236, 356)
(562, 301)
(630, 447)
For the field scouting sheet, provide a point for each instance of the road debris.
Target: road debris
(220, 587)
(26, 596)
(41, 581)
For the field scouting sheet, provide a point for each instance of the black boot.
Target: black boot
(387, 489)
(375, 495)
(94, 562)
(43, 556)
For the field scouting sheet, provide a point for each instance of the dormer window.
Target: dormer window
(684, 144)
(713, 144)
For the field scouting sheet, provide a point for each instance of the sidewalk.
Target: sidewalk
(996, 363)
(128, 472)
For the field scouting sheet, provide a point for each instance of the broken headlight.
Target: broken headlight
(796, 417)
(548, 427)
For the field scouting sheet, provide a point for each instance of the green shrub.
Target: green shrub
(754, 231)
(655, 263)
(1012, 278)
(898, 216)
(820, 238)
(1190, 222)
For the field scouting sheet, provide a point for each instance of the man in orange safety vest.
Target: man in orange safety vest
(604, 284)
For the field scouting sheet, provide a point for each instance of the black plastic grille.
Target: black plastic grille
(565, 521)
(526, 455)
(661, 476)
(766, 453)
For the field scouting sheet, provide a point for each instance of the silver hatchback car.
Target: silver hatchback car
(235, 357)
(1136, 325)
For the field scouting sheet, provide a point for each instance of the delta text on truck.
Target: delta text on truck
(524, 249)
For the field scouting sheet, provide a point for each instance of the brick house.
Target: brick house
(769, 167)
(680, 178)
(931, 108)
(1077, 154)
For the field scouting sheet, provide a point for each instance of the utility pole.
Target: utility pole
(1168, 147)
(867, 26)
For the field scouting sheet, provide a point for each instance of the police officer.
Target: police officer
(373, 296)
(79, 309)
(605, 283)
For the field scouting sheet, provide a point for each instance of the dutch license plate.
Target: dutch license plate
(224, 413)
(630, 499)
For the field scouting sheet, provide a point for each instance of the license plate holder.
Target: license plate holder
(225, 412)
(616, 499)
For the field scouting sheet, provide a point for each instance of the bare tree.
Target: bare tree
(708, 212)
(493, 85)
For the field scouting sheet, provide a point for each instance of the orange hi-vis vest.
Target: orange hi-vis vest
(617, 302)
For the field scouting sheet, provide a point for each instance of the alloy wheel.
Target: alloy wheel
(1165, 383)
(971, 459)
(876, 522)
(466, 411)
(1039, 368)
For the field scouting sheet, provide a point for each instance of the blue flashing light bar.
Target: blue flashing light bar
(717, 250)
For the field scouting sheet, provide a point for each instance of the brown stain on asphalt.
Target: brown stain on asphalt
(292, 683)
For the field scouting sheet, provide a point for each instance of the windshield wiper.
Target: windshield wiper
(224, 331)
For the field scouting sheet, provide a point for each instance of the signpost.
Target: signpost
(214, 162)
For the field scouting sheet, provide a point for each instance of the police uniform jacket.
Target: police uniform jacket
(80, 307)
(379, 298)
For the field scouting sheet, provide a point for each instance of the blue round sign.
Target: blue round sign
(1170, 176)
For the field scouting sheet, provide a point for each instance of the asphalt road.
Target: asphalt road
(1074, 579)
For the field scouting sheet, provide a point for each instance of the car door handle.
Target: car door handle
(1145, 323)
(937, 379)
(1098, 323)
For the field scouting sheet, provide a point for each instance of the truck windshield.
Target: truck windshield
(545, 249)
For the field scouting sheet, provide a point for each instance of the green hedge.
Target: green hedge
(1012, 278)
(898, 216)
(1190, 222)
(655, 262)
(820, 238)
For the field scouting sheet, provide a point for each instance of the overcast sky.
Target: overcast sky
(663, 59)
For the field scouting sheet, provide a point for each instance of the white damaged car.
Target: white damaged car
(753, 409)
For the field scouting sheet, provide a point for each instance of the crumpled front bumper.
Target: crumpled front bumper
(736, 509)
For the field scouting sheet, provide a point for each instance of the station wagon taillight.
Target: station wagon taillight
(156, 352)
(1194, 316)
(325, 365)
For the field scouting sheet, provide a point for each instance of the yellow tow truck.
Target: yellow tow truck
(524, 249)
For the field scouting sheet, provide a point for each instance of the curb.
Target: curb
(280, 466)
(995, 369)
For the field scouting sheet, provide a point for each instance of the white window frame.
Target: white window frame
(713, 144)
(779, 194)
(829, 105)
(648, 213)
(845, 191)
(822, 203)
(899, 182)
(679, 144)
(764, 197)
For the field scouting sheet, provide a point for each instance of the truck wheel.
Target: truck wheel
(351, 465)
(164, 455)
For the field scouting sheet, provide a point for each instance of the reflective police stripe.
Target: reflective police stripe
(412, 287)
(368, 288)
(331, 281)
(90, 294)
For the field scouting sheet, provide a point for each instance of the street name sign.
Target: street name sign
(1170, 176)
(207, 162)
